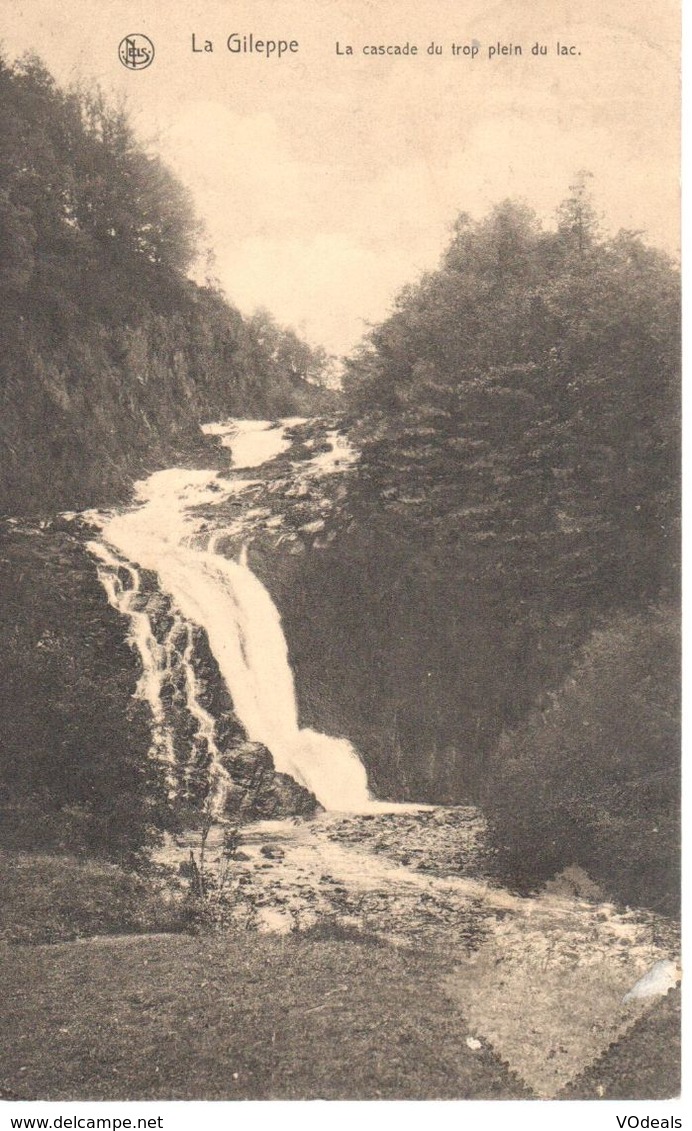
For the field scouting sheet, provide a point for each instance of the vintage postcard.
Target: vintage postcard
(340, 552)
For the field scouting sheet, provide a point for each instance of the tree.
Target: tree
(592, 775)
(112, 355)
(527, 392)
(518, 418)
(577, 221)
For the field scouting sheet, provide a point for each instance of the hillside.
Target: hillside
(511, 531)
(112, 355)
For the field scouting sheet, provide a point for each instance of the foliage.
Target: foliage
(593, 777)
(113, 356)
(518, 418)
(53, 898)
(523, 399)
(414, 658)
(74, 768)
(211, 893)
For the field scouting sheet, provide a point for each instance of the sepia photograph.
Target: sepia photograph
(340, 554)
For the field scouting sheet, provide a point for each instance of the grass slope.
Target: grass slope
(50, 899)
(235, 1018)
(649, 1055)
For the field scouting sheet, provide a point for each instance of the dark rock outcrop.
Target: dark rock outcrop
(259, 792)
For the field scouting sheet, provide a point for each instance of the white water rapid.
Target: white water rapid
(240, 619)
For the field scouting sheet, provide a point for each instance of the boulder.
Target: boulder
(574, 883)
(258, 791)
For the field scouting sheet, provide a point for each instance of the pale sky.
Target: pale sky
(328, 182)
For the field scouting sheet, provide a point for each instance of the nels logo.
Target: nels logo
(136, 52)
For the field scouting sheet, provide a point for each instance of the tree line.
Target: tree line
(113, 355)
(507, 568)
(524, 399)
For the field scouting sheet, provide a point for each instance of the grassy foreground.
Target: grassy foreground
(100, 1004)
(243, 1016)
(235, 1017)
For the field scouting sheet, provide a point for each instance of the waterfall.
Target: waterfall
(242, 624)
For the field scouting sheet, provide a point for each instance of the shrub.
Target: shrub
(592, 776)
(49, 899)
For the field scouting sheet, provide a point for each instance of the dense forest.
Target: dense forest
(508, 549)
(112, 354)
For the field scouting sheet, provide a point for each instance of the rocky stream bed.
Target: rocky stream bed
(549, 982)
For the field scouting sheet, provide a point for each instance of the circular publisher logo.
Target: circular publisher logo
(136, 52)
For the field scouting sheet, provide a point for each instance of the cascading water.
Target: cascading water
(159, 660)
(242, 623)
(124, 597)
